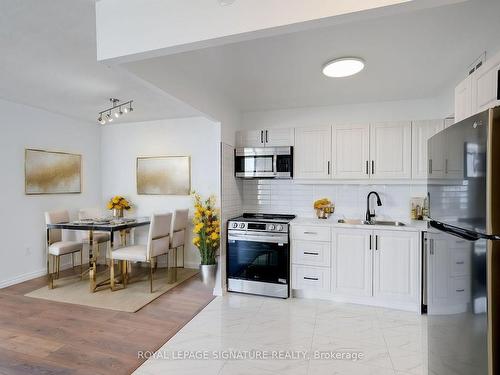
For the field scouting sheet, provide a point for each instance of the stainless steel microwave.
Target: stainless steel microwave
(264, 162)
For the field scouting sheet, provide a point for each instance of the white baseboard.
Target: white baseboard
(21, 278)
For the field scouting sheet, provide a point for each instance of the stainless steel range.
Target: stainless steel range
(258, 255)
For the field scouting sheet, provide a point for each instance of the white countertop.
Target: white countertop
(410, 225)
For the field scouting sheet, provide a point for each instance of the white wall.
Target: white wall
(149, 25)
(22, 222)
(422, 109)
(121, 144)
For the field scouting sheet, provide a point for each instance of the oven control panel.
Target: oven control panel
(257, 226)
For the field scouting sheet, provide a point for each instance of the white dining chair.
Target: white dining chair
(99, 237)
(158, 244)
(57, 246)
(179, 227)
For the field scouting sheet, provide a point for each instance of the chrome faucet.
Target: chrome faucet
(369, 215)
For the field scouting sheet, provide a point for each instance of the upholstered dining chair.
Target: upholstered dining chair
(99, 237)
(158, 244)
(179, 227)
(57, 246)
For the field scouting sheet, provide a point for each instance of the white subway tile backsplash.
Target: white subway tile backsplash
(286, 196)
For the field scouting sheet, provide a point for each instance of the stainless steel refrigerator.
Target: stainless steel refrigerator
(463, 247)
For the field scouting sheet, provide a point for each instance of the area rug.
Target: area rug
(133, 298)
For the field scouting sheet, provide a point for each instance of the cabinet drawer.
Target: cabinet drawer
(311, 233)
(460, 262)
(460, 289)
(311, 278)
(311, 253)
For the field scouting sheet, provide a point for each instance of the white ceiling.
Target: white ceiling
(408, 56)
(48, 60)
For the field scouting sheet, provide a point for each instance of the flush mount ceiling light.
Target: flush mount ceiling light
(116, 111)
(344, 67)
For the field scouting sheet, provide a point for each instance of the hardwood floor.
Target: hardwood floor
(45, 337)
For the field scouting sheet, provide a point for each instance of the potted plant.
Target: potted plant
(118, 204)
(207, 235)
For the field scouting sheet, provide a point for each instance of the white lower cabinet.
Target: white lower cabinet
(311, 278)
(352, 262)
(396, 268)
(374, 267)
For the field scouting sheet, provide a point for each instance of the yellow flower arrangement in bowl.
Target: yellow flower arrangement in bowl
(324, 208)
(206, 228)
(118, 204)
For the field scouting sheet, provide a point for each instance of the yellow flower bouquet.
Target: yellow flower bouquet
(118, 204)
(324, 208)
(206, 228)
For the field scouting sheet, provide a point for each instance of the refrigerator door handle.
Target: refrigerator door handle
(457, 232)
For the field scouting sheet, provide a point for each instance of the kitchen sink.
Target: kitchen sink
(375, 222)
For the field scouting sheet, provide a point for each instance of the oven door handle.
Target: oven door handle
(258, 238)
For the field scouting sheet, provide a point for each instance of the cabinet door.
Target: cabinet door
(396, 266)
(390, 150)
(279, 137)
(438, 266)
(421, 131)
(484, 85)
(350, 151)
(250, 138)
(454, 150)
(352, 262)
(463, 100)
(312, 153)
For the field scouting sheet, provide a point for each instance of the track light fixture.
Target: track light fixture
(114, 111)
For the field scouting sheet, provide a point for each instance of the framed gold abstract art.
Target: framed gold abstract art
(50, 172)
(164, 175)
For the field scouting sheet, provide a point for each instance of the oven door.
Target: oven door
(261, 257)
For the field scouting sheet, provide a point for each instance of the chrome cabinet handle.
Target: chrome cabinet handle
(376, 242)
(460, 262)
(460, 290)
(328, 167)
(262, 136)
(367, 167)
(309, 253)
(310, 233)
(266, 137)
(373, 166)
(430, 166)
(431, 246)
(311, 278)
(446, 166)
(370, 242)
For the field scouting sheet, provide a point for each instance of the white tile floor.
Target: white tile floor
(392, 342)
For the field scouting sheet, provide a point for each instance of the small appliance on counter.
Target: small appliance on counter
(258, 254)
(263, 162)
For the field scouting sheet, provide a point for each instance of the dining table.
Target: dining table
(121, 226)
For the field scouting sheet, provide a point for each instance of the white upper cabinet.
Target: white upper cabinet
(484, 85)
(280, 137)
(350, 151)
(250, 138)
(352, 262)
(265, 138)
(396, 266)
(390, 150)
(421, 131)
(312, 153)
(463, 99)
(479, 91)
